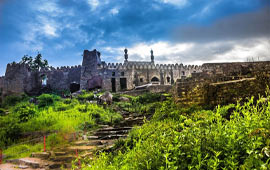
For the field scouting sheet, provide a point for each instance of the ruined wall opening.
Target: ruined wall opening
(74, 87)
(113, 85)
(44, 79)
(155, 80)
(123, 83)
(168, 79)
(141, 80)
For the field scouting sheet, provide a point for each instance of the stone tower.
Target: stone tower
(126, 54)
(152, 55)
(91, 60)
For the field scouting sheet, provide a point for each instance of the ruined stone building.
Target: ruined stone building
(93, 73)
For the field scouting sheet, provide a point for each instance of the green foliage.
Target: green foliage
(22, 150)
(147, 98)
(2, 112)
(46, 100)
(11, 100)
(10, 130)
(230, 137)
(24, 111)
(86, 96)
(52, 114)
(37, 63)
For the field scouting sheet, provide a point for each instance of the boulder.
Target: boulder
(124, 99)
(107, 98)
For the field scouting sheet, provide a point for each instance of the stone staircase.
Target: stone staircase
(85, 146)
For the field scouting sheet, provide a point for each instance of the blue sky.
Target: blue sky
(179, 31)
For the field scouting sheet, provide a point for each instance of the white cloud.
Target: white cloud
(48, 27)
(195, 53)
(179, 3)
(93, 4)
(206, 10)
(114, 11)
(48, 7)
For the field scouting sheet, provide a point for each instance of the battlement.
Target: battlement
(62, 68)
(147, 65)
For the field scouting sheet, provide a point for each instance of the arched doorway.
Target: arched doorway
(155, 80)
(74, 87)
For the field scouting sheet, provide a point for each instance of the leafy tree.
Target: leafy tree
(37, 63)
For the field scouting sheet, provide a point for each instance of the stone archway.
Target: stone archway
(155, 80)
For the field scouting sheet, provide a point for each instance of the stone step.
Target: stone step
(31, 162)
(115, 128)
(88, 143)
(59, 153)
(112, 132)
(73, 149)
(114, 136)
(92, 137)
(66, 158)
(41, 155)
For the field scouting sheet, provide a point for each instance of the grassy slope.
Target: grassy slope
(51, 114)
(229, 137)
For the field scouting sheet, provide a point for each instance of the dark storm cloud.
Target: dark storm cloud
(240, 26)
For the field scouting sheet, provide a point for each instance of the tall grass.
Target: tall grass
(229, 137)
(51, 113)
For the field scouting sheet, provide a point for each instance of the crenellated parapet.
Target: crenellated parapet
(148, 65)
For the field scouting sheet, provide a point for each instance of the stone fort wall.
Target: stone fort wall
(193, 83)
(223, 83)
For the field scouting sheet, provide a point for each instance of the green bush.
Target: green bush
(191, 138)
(2, 112)
(86, 96)
(10, 130)
(11, 100)
(147, 98)
(46, 100)
(24, 111)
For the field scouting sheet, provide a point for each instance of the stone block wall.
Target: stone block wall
(61, 78)
(212, 88)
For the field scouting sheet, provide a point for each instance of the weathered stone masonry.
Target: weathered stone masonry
(129, 74)
(194, 84)
(223, 83)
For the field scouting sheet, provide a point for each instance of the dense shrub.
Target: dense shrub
(11, 100)
(46, 100)
(179, 138)
(147, 98)
(10, 130)
(2, 112)
(86, 96)
(24, 111)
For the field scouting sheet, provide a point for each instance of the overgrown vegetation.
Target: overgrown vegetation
(49, 113)
(229, 137)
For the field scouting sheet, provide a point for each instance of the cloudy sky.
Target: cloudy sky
(179, 31)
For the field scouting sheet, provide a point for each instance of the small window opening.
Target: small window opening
(141, 80)
(113, 73)
(44, 81)
(183, 73)
(168, 79)
(122, 73)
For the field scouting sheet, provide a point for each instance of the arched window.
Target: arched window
(154, 79)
